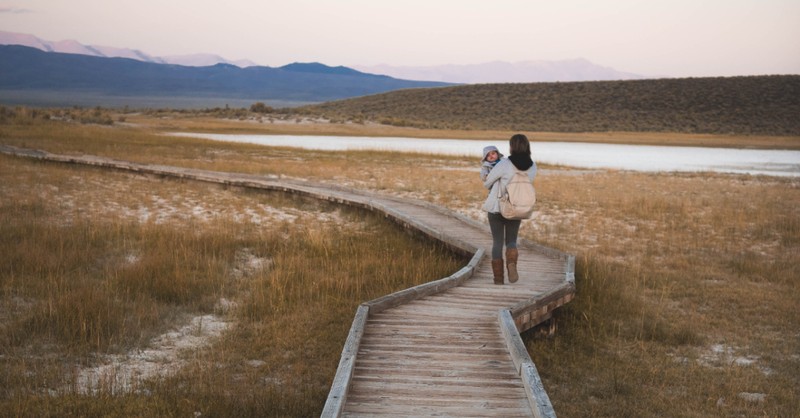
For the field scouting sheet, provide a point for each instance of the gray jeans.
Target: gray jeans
(504, 231)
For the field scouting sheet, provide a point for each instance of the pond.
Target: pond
(572, 154)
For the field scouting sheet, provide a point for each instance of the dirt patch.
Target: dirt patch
(166, 355)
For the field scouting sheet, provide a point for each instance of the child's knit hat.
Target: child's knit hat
(488, 149)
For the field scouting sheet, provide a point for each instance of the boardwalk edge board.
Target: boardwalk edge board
(533, 311)
(513, 320)
(341, 382)
(537, 396)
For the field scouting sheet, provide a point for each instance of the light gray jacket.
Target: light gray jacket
(498, 178)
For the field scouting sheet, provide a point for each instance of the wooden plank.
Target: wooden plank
(411, 367)
(442, 388)
(415, 408)
(424, 337)
(513, 341)
(461, 304)
(435, 351)
(435, 323)
(540, 401)
(412, 311)
(489, 359)
(389, 369)
(534, 310)
(344, 373)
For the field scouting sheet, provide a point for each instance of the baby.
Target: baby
(491, 156)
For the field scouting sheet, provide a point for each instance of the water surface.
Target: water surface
(646, 158)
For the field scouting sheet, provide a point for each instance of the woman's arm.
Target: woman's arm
(495, 174)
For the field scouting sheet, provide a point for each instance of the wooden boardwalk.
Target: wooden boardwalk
(450, 347)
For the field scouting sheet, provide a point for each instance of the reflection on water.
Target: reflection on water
(572, 154)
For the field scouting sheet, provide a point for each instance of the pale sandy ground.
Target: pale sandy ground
(167, 354)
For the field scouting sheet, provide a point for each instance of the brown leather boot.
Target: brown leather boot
(512, 255)
(497, 270)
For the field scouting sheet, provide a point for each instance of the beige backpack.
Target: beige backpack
(518, 198)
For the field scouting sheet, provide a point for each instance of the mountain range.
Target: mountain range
(75, 47)
(491, 72)
(35, 77)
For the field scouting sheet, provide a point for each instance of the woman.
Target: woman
(504, 231)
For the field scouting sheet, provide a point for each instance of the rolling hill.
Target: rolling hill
(758, 105)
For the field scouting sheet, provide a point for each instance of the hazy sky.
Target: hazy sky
(658, 38)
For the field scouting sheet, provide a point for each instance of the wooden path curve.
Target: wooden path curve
(450, 347)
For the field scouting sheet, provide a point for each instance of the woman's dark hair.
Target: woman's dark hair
(518, 144)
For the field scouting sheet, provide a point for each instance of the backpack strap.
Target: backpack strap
(504, 190)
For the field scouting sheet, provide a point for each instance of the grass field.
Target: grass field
(47, 98)
(687, 283)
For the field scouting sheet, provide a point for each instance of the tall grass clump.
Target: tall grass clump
(295, 319)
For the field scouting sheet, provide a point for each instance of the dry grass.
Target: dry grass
(687, 283)
(97, 265)
(687, 295)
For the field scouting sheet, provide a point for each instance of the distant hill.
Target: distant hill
(25, 69)
(763, 105)
(202, 60)
(505, 72)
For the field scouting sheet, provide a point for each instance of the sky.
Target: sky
(669, 38)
